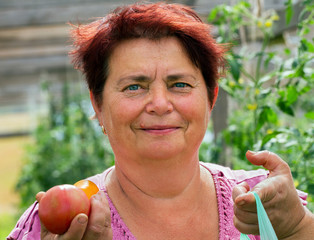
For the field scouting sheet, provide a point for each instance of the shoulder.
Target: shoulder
(252, 177)
(99, 179)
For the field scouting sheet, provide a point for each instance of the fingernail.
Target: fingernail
(82, 220)
(251, 152)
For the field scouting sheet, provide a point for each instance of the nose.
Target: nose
(159, 101)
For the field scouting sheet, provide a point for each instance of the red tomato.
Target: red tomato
(88, 187)
(60, 205)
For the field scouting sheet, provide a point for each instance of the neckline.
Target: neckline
(123, 228)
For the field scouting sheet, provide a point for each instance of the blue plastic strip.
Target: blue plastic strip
(266, 230)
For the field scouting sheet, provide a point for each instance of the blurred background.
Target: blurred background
(47, 138)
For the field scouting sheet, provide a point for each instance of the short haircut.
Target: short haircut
(93, 43)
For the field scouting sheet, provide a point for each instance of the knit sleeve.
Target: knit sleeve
(28, 226)
(255, 176)
(252, 177)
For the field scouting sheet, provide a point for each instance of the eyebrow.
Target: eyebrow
(175, 77)
(143, 78)
(136, 78)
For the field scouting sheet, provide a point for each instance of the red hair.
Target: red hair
(93, 43)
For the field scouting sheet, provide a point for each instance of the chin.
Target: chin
(160, 153)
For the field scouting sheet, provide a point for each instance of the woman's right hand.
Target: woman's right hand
(97, 226)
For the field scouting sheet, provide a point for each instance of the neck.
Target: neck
(166, 179)
(162, 193)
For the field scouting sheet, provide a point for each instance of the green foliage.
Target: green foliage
(7, 223)
(67, 147)
(289, 11)
(272, 106)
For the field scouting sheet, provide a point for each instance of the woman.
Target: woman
(152, 72)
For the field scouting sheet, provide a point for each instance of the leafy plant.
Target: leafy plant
(67, 146)
(271, 89)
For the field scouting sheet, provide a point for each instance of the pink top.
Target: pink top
(28, 226)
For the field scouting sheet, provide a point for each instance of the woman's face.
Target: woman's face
(155, 103)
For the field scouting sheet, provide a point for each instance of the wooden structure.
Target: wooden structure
(34, 45)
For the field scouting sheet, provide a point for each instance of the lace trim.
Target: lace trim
(223, 187)
(119, 228)
(225, 207)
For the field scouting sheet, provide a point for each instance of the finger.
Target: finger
(77, 228)
(243, 198)
(268, 160)
(245, 216)
(75, 231)
(39, 196)
(279, 176)
(99, 225)
(267, 191)
(245, 228)
(240, 189)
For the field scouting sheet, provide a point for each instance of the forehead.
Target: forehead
(143, 58)
(134, 50)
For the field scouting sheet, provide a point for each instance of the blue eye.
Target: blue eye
(133, 87)
(180, 85)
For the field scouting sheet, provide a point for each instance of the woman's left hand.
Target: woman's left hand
(290, 219)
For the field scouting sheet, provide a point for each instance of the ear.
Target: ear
(96, 107)
(215, 96)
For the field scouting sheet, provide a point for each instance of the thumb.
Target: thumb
(39, 196)
(240, 190)
(279, 173)
(270, 161)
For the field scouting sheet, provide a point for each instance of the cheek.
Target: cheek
(120, 113)
(196, 109)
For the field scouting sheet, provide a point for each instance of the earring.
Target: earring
(103, 130)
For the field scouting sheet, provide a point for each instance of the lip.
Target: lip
(160, 129)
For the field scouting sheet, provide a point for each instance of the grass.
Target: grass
(7, 223)
(12, 151)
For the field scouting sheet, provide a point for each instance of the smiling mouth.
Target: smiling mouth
(160, 129)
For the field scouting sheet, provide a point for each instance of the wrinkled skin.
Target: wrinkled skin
(279, 197)
(97, 226)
